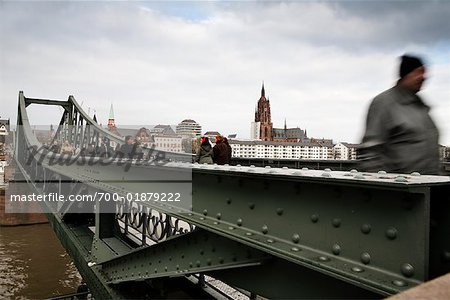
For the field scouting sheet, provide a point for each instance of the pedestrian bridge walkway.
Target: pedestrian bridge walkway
(273, 232)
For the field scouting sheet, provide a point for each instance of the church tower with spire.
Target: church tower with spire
(262, 128)
(262, 116)
(111, 120)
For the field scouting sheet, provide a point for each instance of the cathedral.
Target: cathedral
(262, 127)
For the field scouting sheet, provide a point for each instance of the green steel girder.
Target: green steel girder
(195, 252)
(294, 282)
(331, 226)
(76, 241)
(336, 229)
(379, 232)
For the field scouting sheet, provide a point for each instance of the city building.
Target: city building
(310, 149)
(444, 153)
(170, 143)
(189, 128)
(262, 128)
(212, 135)
(4, 130)
(345, 151)
(162, 129)
(288, 134)
(161, 137)
(262, 118)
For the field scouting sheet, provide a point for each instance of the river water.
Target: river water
(33, 264)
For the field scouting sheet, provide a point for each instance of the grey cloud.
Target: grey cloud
(360, 26)
(421, 22)
(204, 67)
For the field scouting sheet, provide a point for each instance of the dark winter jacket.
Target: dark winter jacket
(400, 135)
(204, 154)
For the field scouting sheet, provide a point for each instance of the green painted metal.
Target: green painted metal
(348, 232)
(196, 252)
(323, 225)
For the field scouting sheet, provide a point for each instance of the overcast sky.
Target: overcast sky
(160, 63)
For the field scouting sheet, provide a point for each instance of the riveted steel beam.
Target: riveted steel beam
(335, 225)
(195, 252)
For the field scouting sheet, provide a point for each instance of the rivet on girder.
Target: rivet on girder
(314, 218)
(251, 205)
(336, 249)
(165, 268)
(353, 171)
(270, 241)
(415, 174)
(230, 227)
(205, 212)
(267, 167)
(324, 258)
(218, 216)
(228, 200)
(408, 270)
(365, 258)
(391, 233)
(327, 170)
(295, 249)
(400, 179)
(327, 175)
(336, 222)
(366, 228)
(280, 211)
(239, 222)
(357, 269)
(202, 218)
(399, 283)
(381, 172)
(177, 267)
(248, 233)
(265, 229)
(191, 264)
(216, 223)
(296, 238)
(305, 169)
(221, 260)
(198, 264)
(208, 262)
